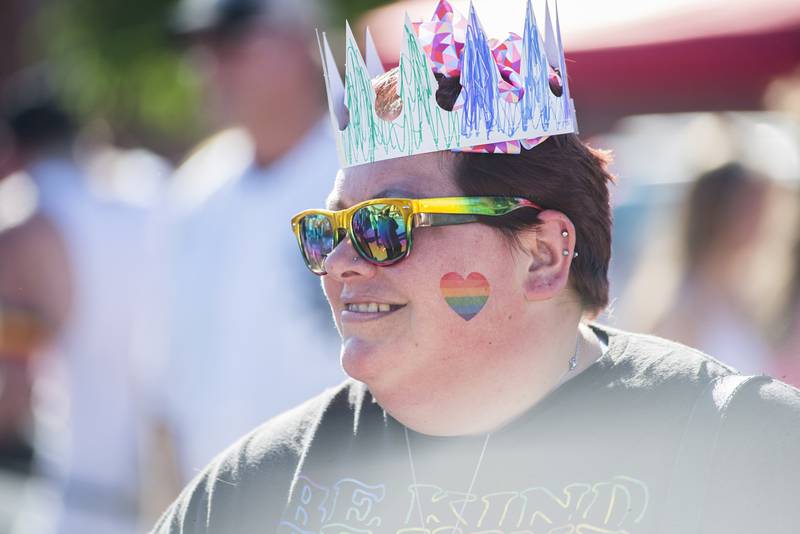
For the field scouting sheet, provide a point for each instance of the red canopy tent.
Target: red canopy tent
(629, 57)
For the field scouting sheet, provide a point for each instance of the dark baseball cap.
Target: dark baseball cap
(30, 106)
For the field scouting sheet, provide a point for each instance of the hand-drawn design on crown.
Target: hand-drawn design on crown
(510, 97)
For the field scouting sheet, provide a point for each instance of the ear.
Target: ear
(548, 263)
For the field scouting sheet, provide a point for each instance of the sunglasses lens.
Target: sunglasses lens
(380, 232)
(316, 236)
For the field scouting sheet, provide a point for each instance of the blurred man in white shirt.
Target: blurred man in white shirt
(242, 337)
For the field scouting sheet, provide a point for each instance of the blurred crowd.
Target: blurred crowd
(153, 309)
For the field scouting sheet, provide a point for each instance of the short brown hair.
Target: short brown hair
(562, 174)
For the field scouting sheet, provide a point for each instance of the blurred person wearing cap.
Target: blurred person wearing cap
(68, 301)
(240, 332)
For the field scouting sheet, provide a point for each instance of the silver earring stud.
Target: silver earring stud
(566, 252)
(576, 254)
(564, 234)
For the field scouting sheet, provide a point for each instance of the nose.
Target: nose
(345, 264)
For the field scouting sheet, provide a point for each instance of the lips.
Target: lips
(371, 307)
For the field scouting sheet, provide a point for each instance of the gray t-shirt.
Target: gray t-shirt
(653, 437)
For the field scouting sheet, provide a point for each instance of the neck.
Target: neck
(511, 383)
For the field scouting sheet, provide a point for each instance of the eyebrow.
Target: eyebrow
(391, 192)
(396, 193)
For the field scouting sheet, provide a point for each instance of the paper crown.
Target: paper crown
(514, 93)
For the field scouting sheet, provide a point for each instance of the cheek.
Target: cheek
(470, 286)
(463, 250)
(450, 340)
(332, 290)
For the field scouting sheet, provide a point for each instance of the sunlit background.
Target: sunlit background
(157, 129)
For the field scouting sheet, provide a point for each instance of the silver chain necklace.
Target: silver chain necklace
(572, 365)
(469, 490)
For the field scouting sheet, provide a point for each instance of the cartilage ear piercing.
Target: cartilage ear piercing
(573, 363)
(564, 234)
(566, 252)
(576, 253)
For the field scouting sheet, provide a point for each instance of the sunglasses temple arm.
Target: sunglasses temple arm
(443, 219)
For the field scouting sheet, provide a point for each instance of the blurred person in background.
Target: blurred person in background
(69, 290)
(22, 325)
(242, 337)
(26, 314)
(724, 210)
(787, 363)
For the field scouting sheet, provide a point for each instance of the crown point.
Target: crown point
(443, 7)
(413, 47)
(472, 11)
(550, 44)
(373, 58)
(348, 30)
(334, 84)
(352, 47)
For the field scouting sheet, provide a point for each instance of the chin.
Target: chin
(361, 359)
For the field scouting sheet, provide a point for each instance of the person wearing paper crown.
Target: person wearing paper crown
(464, 253)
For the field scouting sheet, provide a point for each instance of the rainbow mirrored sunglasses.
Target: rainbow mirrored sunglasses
(381, 229)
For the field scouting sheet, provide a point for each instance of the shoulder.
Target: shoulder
(213, 166)
(752, 485)
(288, 434)
(651, 361)
(656, 361)
(753, 410)
(767, 407)
(739, 437)
(18, 200)
(246, 487)
(22, 223)
(638, 360)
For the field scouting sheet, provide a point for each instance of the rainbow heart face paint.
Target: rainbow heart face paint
(466, 297)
